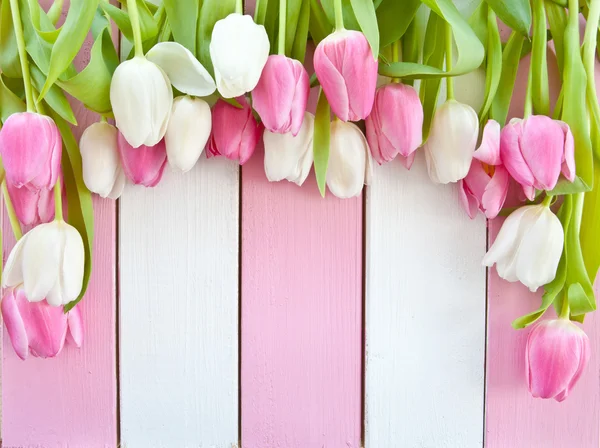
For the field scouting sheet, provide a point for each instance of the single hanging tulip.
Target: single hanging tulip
(102, 170)
(235, 132)
(350, 165)
(281, 95)
(287, 156)
(347, 71)
(31, 150)
(395, 125)
(38, 328)
(188, 132)
(144, 165)
(32, 207)
(556, 355)
(451, 143)
(528, 247)
(239, 49)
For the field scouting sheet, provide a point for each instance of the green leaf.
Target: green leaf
(9, 102)
(394, 17)
(55, 11)
(44, 28)
(590, 236)
(321, 141)
(434, 50)
(9, 54)
(55, 98)
(298, 50)
(493, 73)
(565, 187)
(515, 13)
(510, 64)
(319, 25)
(183, 18)
(211, 12)
(292, 18)
(148, 26)
(557, 20)
(364, 10)
(479, 22)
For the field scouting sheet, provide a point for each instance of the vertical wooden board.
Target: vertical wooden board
(179, 309)
(425, 314)
(301, 315)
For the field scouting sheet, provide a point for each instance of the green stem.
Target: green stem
(12, 216)
(58, 208)
(528, 108)
(18, 25)
(239, 6)
(565, 309)
(589, 54)
(449, 80)
(547, 201)
(395, 56)
(134, 16)
(282, 23)
(339, 15)
(539, 60)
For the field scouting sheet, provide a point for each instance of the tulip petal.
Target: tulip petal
(542, 146)
(489, 150)
(495, 192)
(143, 165)
(119, 185)
(14, 324)
(41, 260)
(75, 323)
(46, 327)
(73, 260)
(13, 269)
(510, 153)
(472, 188)
(349, 160)
(568, 165)
(100, 158)
(467, 199)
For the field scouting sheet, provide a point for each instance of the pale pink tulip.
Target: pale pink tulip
(395, 125)
(31, 150)
(347, 71)
(556, 355)
(235, 132)
(32, 207)
(281, 95)
(38, 328)
(144, 165)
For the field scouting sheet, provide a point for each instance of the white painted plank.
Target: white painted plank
(425, 314)
(179, 309)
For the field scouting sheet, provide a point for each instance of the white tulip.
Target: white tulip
(350, 166)
(48, 261)
(188, 131)
(288, 157)
(452, 142)
(528, 247)
(102, 169)
(239, 49)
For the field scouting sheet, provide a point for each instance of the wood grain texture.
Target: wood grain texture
(425, 314)
(179, 310)
(301, 315)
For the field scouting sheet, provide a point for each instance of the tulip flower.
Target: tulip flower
(188, 132)
(48, 261)
(347, 71)
(287, 156)
(32, 207)
(556, 355)
(102, 169)
(31, 150)
(350, 165)
(239, 49)
(144, 165)
(536, 150)
(528, 247)
(451, 143)
(395, 125)
(38, 328)
(281, 95)
(235, 132)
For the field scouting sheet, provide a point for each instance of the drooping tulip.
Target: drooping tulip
(102, 169)
(31, 150)
(281, 95)
(48, 261)
(395, 125)
(32, 207)
(451, 143)
(188, 132)
(350, 165)
(347, 71)
(143, 165)
(556, 355)
(239, 49)
(528, 247)
(38, 328)
(287, 156)
(235, 132)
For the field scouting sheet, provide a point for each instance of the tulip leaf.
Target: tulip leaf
(212, 11)
(590, 236)
(298, 50)
(55, 11)
(148, 26)
(39, 49)
(515, 13)
(55, 98)
(557, 20)
(183, 19)
(319, 25)
(321, 141)
(510, 64)
(364, 10)
(44, 29)
(434, 50)
(9, 54)
(493, 73)
(292, 19)
(9, 102)
(394, 17)
(479, 22)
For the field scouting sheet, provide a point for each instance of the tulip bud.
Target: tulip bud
(102, 170)
(32, 207)
(347, 71)
(38, 328)
(350, 164)
(395, 125)
(287, 156)
(528, 247)
(48, 261)
(239, 49)
(556, 355)
(452, 141)
(235, 132)
(31, 150)
(141, 98)
(144, 165)
(188, 132)
(281, 95)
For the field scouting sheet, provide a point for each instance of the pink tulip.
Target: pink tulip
(32, 207)
(144, 165)
(31, 150)
(347, 71)
(556, 355)
(395, 125)
(38, 328)
(536, 150)
(235, 132)
(281, 95)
